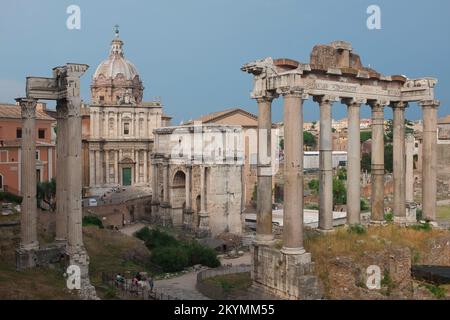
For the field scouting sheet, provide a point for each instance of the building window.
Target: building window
(41, 133)
(126, 128)
(1, 182)
(102, 98)
(19, 133)
(38, 154)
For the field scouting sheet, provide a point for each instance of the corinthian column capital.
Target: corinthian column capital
(325, 99)
(267, 96)
(430, 103)
(378, 104)
(399, 105)
(354, 102)
(291, 91)
(28, 107)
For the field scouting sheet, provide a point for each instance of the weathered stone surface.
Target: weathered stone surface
(284, 275)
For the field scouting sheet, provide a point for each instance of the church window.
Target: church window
(126, 128)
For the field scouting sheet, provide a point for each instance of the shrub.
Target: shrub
(199, 254)
(437, 291)
(170, 259)
(419, 215)
(10, 197)
(421, 227)
(92, 221)
(363, 204)
(159, 239)
(356, 228)
(389, 217)
(143, 234)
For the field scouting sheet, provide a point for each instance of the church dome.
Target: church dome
(116, 80)
(116, 63)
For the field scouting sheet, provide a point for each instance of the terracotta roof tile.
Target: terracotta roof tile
(13, 111)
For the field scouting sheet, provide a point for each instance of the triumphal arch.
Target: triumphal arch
(334, 74)
(64, 87)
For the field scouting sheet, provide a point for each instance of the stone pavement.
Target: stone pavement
(183, 287)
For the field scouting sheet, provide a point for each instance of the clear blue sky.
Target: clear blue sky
(190, 52)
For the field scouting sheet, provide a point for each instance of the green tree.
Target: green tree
(388, 157)
(365, 135)
(339, 191)
(308, 139)
(46, 192)
(282, 144)
(366, 162)
(314, 185)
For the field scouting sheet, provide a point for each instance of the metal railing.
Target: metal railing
(128, 289)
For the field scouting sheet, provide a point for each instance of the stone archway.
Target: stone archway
(178, 197)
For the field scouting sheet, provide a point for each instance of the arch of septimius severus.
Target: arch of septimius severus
(334, 74)
(64, 87)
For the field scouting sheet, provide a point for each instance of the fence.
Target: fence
(129, 290)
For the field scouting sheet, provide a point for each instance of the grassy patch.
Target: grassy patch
(33, 284)
(349, 242)
(438, 291)
(237, 281)
(112, 252)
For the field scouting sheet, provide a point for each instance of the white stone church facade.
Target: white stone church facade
(121, 125)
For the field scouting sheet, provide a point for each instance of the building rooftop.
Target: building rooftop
(444, 120)
(12, 111)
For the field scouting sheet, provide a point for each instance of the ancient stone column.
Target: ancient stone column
(91, 167)
(293, 173)
(166, 183)
(28, 223)
(377, 199)
(429, 161)
(264, 234)
(409, 152)
(107, 167)
(62, 168)
(145, 165)
(98, 168)
(155, 195)
(325, 164)
(353, 162)
(399, 161)
(116, 167)
(203, 227)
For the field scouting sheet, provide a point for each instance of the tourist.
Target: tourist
(151, 283)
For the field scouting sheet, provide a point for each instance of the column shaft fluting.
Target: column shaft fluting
(377, 197)
(166, 183)
(399, 159)
(203, 190)
(325, 165)
(353, 164)
(429, 162)
(264, 183)
(409, 168)
(73, 176)
(293, 174)
(28, 223)
(61, 164)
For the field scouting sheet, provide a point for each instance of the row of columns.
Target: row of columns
(68, 192)
(293, 165)
(96, 172)
(100, 125)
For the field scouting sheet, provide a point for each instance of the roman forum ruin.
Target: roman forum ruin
(64, 87)
(197, 178)
(334, 74)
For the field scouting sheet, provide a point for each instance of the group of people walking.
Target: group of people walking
(138, 281)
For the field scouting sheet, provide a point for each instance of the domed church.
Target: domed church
(121, 125)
